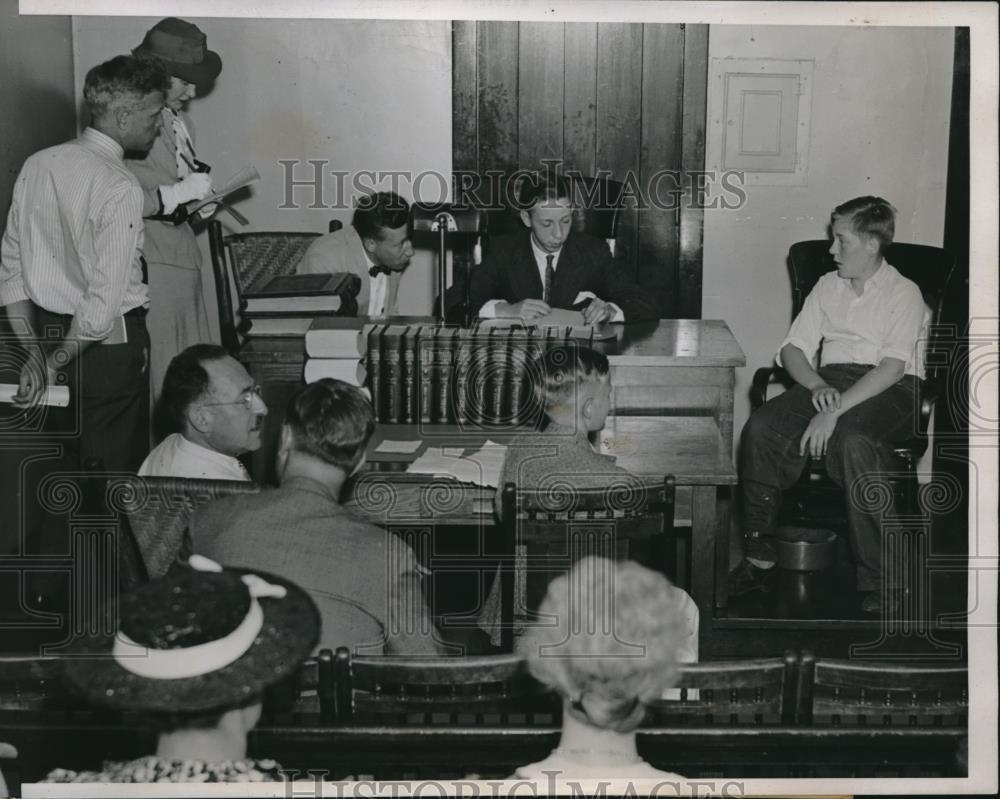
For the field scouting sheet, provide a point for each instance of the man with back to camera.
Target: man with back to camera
(214, 411)
(549, 265)
(375, 246)
(865, 320)
(365, 580)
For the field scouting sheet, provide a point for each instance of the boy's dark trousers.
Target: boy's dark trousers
(858, 452)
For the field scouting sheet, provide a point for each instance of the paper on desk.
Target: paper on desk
(54, 395)
(481, 467)
(398, 446)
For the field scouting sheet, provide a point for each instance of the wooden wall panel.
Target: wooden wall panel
(628, 99)
(465, 104)
(692, 158)
(580, 97)
(659, 160)
(498, 88)
(619, 120)
(540, 96)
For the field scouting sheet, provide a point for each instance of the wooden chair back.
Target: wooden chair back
(738, 693)
(247, 261)
(557, 524)
(158, 510)
(305, 697)
(487, 690)
(851, 693)
(31, 683)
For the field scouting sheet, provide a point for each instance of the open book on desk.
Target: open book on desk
(481, 467)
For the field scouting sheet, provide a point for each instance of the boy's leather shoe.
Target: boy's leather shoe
(746, 578)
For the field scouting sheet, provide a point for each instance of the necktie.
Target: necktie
(550, 273)
(374, 271)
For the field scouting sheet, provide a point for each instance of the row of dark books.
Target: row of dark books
(435, 374)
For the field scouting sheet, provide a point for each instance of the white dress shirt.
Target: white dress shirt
(176, 456)
(74, 235)
(888, 320)
(488, 311)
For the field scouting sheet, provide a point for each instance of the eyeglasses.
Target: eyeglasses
(246, 399)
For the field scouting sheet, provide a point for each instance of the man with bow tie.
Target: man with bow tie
(376, 247)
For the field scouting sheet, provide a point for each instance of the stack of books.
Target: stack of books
(336, 347)
(287, 304)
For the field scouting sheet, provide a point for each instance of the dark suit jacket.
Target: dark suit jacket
(509, 272)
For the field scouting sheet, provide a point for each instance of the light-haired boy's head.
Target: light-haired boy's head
(572, 383)
(868, 217)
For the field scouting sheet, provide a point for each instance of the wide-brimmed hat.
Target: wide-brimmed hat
(197, 642)
(183, 47)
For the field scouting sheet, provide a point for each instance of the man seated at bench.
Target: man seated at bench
(213, 411)
(366, 580)
(193, 654)
(864, 320)
(609, 646)
(571, 384)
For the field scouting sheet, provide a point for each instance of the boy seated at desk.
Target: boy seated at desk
(572, 386)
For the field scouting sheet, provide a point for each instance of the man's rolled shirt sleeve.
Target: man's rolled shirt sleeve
(11, 277)
(116, 233)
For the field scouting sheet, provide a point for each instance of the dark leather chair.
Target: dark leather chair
(245, 261)
(816, 501)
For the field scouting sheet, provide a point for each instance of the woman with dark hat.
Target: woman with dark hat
(171, 177)
(194, 652)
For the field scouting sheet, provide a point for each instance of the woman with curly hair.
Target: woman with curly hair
(608, 643)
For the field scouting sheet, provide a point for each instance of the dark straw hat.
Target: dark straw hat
(191, 621)
(183, 47)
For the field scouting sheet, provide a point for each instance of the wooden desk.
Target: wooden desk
(670, 367)
(690, 448)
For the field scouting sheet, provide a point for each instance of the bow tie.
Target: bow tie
(376, 270)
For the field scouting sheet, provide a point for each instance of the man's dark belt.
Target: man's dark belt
(139, 312)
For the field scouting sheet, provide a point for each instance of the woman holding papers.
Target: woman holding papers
(171, 177)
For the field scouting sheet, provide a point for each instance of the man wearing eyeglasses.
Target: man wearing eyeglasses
(213, 412)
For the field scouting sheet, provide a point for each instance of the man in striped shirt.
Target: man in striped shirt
(71, 261)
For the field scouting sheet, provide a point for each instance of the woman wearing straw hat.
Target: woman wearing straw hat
(171, 177)
(609, 645)
(194, 652)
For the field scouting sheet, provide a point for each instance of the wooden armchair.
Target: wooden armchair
(558, 524)
(158, 510)
(248, 260)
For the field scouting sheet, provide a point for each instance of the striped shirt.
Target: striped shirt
(74, 235)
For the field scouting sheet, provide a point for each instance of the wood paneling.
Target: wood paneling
(465, 105)
(659, 158)
(692, 159)
(498, 100)
(540, 99)
(611, 98)
(580, 97)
